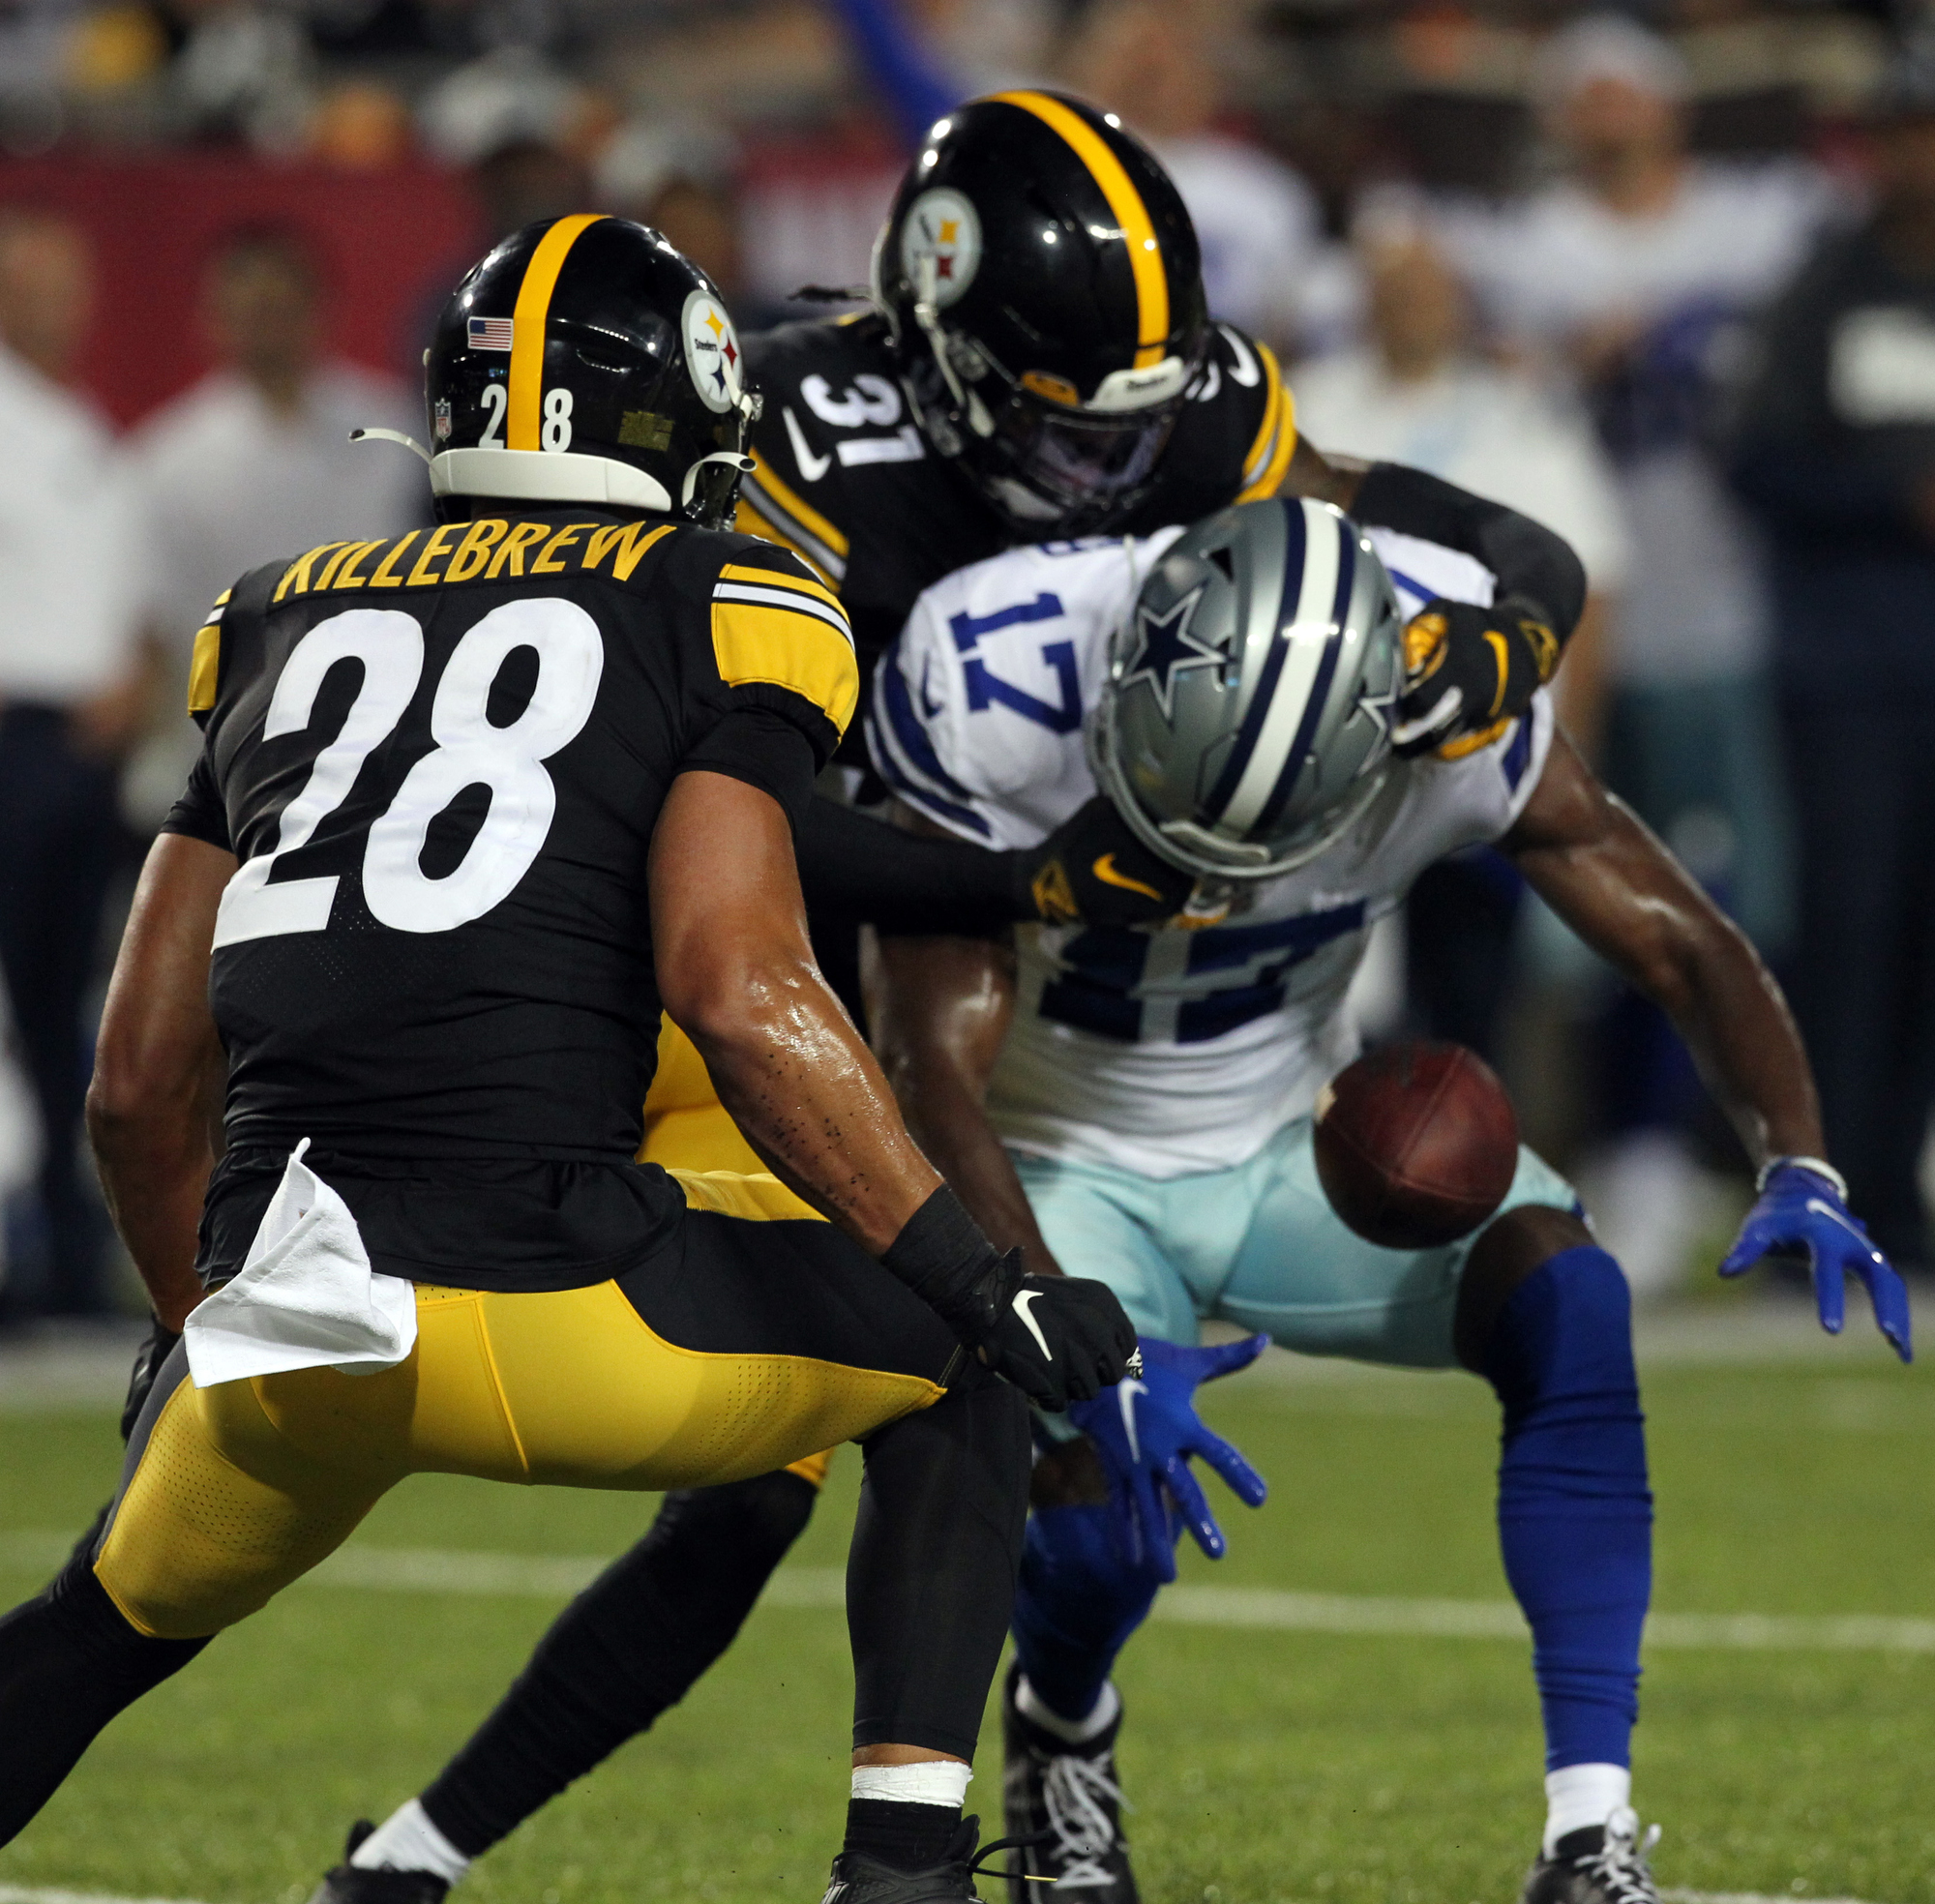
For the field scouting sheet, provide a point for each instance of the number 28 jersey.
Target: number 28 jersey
(440, 759)
(1162, 1052)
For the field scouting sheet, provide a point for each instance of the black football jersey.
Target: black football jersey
(440, 759)
(845, 480)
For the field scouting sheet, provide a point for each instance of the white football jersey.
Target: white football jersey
(1159, 1051)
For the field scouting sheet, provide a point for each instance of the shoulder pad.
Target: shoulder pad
(774, 623)
(214, 638)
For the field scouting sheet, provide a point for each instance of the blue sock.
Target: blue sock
(1075, 1605)
(1575, 1517)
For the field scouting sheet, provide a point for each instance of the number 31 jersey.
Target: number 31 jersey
(1162, 1052)
(440, 759)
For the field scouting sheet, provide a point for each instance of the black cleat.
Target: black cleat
(858, 1879)
(355, 1884)
(1601, 1864)
(1064, 1811)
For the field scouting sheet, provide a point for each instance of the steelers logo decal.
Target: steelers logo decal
(941, 226)
(712, 352)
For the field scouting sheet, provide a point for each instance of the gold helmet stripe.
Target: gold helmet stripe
(527, 329)
(1131, 215)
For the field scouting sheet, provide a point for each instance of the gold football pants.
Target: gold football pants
(759, 1336)
(688, 1129)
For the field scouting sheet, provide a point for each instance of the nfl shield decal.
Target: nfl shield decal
(941, 225)
(712, 352)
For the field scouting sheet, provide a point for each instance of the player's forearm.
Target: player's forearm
(945, 1116)
(155, 1159)
(1628, 898)
(154, 1105)
(1534, 565)
(1727, 1006)
(802, 1085)
(940, 1010)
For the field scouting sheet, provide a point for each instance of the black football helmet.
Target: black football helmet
(586, 360)
(1045, 289)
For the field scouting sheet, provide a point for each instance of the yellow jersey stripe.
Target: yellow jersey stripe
(756, 642)
(794, 505)
(527, 329)
(761, 1199)
(205, 669)
(1131, 214)
(779, 579)
(1275, 441)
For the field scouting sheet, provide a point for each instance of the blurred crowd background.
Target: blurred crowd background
(1664, 278)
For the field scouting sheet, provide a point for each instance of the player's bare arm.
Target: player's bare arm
(738, 977)
(940, 1010)
(154, 1110)
(1609, 877)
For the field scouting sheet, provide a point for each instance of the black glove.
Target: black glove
(1469, 670)
(1058, 1339)
(157, 1346)
(1092, 871)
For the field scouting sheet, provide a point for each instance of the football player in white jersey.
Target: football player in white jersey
(1136, 1105)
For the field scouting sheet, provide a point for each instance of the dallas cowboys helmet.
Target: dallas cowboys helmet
(1246, 719)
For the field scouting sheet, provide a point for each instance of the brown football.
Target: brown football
(1417, 1143)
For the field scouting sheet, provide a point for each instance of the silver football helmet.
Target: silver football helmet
(1246, 719)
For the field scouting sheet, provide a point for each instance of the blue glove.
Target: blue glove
(1803, 1211)
(1147, 1430)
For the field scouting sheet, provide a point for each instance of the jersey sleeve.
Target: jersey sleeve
(780, 645)
(976, 713)
(1233, 440)
(198, 814)
(204, 670)
(1273, 441)
(1478, 797)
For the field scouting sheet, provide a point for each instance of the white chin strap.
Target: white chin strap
(548, 476)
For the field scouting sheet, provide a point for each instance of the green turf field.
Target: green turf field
(1266, 1765)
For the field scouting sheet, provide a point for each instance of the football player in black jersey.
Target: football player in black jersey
(1037, 363)
(476, 801)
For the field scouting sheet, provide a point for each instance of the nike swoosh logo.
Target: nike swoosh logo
(1244, 370)
(1125, 1400)
(1834, 1216)
(1024, 1302)
(1106, 871)
(811, 467)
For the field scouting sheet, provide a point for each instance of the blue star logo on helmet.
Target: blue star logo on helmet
(1167, 646)
(1379, 708)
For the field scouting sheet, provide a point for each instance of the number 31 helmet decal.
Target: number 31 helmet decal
(586, 360)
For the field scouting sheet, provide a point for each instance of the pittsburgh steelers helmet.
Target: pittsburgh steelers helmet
(1245, 722)
(1045, 290)
(586, 360)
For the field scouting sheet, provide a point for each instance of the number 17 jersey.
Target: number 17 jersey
(1160, 1052)
(440, 759)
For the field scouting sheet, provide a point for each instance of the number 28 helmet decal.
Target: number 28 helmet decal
(586, 360)
(1045, 289)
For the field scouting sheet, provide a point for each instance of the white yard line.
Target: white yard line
(1721, 1897)
(31, 1894)
(456, 1570)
